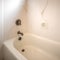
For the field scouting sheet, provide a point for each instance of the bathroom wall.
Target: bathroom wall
(0, 27)
(10, 10)
(47, 25)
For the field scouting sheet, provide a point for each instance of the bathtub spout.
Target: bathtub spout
(20, 38)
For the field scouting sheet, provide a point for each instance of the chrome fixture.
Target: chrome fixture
(20, 33)
(23, 50)
(18, 22)
(19, 38)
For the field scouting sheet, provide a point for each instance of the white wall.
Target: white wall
(10, 10)
(0, 27)
(51, 29)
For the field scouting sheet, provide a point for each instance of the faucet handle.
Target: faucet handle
(20, 33)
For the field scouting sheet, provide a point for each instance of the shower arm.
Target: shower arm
(44, 8)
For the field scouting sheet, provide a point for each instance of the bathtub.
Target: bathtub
(31, 47)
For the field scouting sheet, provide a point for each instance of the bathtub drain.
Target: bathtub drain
(23, 50)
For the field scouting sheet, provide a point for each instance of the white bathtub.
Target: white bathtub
(31, 47)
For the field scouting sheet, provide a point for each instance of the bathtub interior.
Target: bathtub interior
(35, 47)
